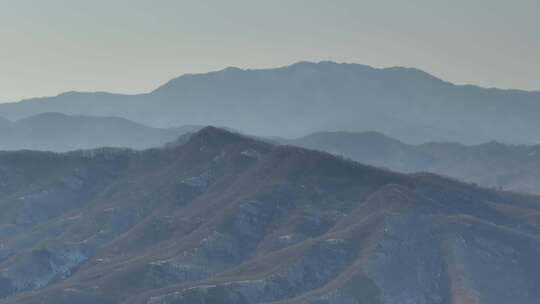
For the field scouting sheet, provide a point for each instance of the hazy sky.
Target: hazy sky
(132, 46)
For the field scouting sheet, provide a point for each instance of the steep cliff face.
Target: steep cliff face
(224, 218)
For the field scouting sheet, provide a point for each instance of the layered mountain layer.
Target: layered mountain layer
(223, 218)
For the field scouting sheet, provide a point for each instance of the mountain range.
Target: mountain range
(292, 101)
(219, 217)
(491, 164)
(59, 132)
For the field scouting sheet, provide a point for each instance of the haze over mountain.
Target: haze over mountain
(224, 218)
(491, 164)
(302, 98)
(60, 132)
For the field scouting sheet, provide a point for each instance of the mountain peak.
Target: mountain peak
(211, 135)
(405, 103)
(244, 222)
(232, 69)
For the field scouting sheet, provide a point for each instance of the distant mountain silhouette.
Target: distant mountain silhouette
(490, 164)
(303, 98)
(372, 148)
(60, 132)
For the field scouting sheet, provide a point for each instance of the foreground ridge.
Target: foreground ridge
(224, 218)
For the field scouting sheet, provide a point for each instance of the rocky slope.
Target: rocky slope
(224, 218)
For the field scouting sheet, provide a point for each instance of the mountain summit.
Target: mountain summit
(405, 103)
(224, 218)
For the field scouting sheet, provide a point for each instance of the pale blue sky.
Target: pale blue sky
(132, 46)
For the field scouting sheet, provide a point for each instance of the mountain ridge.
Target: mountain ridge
(61, 132)
(225, 218)
(235, 68)
(406, 103)
(490, 164)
